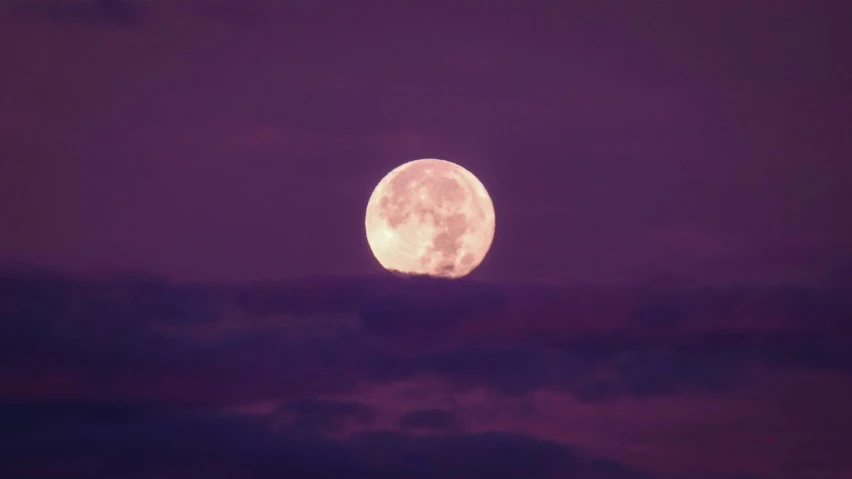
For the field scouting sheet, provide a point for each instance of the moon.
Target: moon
(430, 217)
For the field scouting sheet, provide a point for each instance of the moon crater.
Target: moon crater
(430, 217)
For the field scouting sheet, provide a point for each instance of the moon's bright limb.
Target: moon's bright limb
(430, 217)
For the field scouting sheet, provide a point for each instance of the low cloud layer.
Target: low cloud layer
(98, 372)
(87, 440)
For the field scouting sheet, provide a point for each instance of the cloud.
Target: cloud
(190, 343)
(482, 455)
(98, 440)
(348, 364)
(312, 416)
(434, 419)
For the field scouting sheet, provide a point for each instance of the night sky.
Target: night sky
(186, 289)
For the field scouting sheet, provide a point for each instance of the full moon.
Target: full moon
(430, 217)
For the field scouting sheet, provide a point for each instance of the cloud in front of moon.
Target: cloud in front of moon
(430, 217)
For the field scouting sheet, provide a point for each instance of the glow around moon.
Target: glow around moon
(430, 217)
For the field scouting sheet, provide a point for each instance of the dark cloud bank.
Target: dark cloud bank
(135, 377)
(100, 440)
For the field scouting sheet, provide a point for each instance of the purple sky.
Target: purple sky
(186, 290)
(240, 140)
